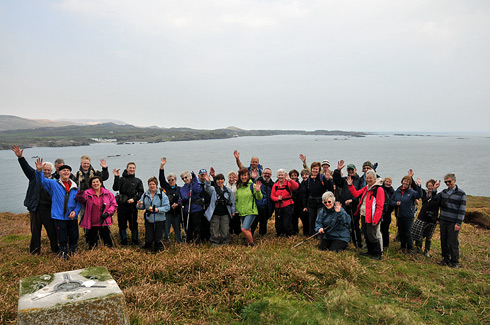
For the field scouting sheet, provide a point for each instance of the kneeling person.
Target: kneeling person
(334, 223)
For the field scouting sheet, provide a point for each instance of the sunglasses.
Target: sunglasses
(184, 178)
(448, 182)
(325, 202)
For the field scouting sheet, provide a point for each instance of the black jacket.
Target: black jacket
(34, 190)
(171, 192)
(430, 207)
(315, 187)
(341, 182)
(129, 187)
(82, 178)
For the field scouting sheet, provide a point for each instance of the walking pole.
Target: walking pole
(189, 213)
(304, 241)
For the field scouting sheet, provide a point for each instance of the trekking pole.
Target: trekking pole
(304, 241)
(189, 212)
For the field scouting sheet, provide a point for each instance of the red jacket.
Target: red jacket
(286, 193)
(371, 216)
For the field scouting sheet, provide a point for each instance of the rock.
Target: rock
(86, 296)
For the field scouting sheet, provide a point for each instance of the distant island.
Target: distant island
(31, 133)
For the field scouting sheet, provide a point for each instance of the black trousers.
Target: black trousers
(67, 232)
(405, 232)
(127, 213)
(205, 229)
(312, 214)
(332, 245)
(154, 234)
(94, 233)
(40, 218)
(192, 224)
(449, 242)
(385, 229)
(284, 225)
(261, 221)
(235, 225)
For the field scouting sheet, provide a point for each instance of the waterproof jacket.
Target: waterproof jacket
(407, 207)
(227, 196)
(129, 187)
(374, 203)
(185, 194)
(245, 201)
(87, 197)
(341, 182)
(430, 207)
(159, 200)
(286, 190)
(82, 178)
(63, 202)
(338, 224)
(171, 192)
(34, 189)
(315, 187)
(266, 188)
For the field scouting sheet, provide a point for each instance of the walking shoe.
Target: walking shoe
(365, 254)
(375, 257)
(454, 265)
(124, 242)
(443, 263)
(426, 254)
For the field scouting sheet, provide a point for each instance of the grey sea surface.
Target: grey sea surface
(429, 156)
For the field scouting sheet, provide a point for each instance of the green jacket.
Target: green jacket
(244, 200)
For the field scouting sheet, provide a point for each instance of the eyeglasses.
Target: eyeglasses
(171, 179)
(448, 182)
(325, 202)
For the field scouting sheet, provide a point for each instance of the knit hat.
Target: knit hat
(64, 167)
(368, 164)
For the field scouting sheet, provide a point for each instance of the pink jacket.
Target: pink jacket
(86, 197)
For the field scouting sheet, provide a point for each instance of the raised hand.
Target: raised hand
(207, 178)
(15, 148)
(257, 186)
(236, 154)
(163, 161)
(103, 163)
(410, 172)
(340, 165)
(115, 172)
(419, 181)
(39, 164)
(337, 206)
(302, 157)
(255, 174)
(349, 180)
(212, 172)
(437, 184)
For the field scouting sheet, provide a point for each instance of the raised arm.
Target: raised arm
(237, 158)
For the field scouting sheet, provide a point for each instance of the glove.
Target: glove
(104, 215)
(193, 175)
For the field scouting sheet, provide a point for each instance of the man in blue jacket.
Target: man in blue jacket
(64, 208)
(38, 202)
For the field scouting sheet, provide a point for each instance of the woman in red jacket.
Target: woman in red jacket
(282, 194)
(370, 210)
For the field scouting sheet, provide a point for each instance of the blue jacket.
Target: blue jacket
(63, 203)
(407, 207)
(338, 224)
(185, 193)
(212, 205)
(163, 205)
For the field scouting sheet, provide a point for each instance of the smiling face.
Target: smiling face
(450, 182)
(351, 171)
(85, 164)
(315, 170)
(47, 171)
(267, 174)
(220, 182)
(244, 178)
(405, 183)
(232, 178)
(281, 176)
(370, 179)
(388, 182)
(186, 179)
(96, 184)
(171, 180)
(254, 162)
(131, 169)
(328, 203)
(294, 176)
(152, 186)
(65, 174)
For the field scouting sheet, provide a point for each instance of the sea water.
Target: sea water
(429, 156)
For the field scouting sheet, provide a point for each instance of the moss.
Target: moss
(15, 237)
(96, 273)
(34, 283)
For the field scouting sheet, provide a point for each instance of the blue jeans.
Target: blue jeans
(247, 221)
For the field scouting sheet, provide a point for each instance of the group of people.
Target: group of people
(340, 208)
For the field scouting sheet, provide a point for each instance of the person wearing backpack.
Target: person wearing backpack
(370, 210)
(156, 205)
(221, 209)
(172, 190)
(282, 196)
(265, 206)
(246, 196)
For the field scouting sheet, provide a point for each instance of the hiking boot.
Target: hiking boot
(426, 254)
(365, 254)
(454, 265)
(124, 242)
(443, 263)
(376, 257)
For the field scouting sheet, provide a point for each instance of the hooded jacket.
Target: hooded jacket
(63, 202)
(129, 187)
(286, 191)
(160, 201)
(338, 224)
(87, 198)
(185, 194)
(374, 203)
(245, 200)
(228, 196)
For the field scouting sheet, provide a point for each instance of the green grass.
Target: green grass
(270, 283)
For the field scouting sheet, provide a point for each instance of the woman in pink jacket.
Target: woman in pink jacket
(370, 210)
(282, 194)
(100, 205)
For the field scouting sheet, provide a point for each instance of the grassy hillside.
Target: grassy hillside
(271, 283)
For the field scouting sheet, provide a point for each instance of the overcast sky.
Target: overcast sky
(378, 65)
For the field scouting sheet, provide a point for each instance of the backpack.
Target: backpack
(262, 203)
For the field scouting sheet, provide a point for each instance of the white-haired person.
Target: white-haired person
(370, 210)
(282, 195)
(333, 222)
